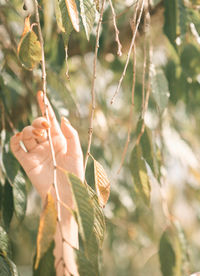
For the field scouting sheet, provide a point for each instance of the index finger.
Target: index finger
(46, 106)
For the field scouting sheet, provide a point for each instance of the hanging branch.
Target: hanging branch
(131, 112)
(44, 82)
(119, 51)
(129, 52)
(90, 132)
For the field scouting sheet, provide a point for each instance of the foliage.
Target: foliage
(152, 214)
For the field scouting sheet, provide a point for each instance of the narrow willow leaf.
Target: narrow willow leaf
(139, 174)
(73, 13)
(29, 48)
(160, 89)
(148, 151)
(85, 267)
(47, 228)
(58, 15)
(85, 210)
(20, 195)
(7, 206)
(4, 242)
(167, 256)
(170, 24)
(66, 22)
(102, 183)
(88, 15)
(99, 220)
(46, 265)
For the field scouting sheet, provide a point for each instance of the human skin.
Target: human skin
(38, 165)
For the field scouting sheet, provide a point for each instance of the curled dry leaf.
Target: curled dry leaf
(47, 228)
(102, 184)
(73, 13)
(29, 48)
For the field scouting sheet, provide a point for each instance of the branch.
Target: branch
(119, 51)
(130, 51)
(131, 112)
(90, 131)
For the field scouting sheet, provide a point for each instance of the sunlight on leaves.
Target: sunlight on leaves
(47, 228)
(102, 183)
(88, 15)
(73, 13)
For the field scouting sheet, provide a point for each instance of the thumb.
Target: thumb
(71, 135)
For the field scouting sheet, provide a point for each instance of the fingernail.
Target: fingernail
(66, 120)
(45, 124)
(18, 134)
(38, 132)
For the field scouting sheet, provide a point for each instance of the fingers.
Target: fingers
(15, 144)
(71, 135)
(55, 128)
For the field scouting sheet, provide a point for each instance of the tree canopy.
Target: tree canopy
(127, 74)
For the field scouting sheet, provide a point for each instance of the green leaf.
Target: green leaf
(99, 219)
(66, 22)
(47, 228)
(85, 267)
(148, 151)
(20, 195)
(170, 24)
(88, 15)
(85, 210)
(167, 256)
(160, 89)
(46, 265)
(7, 206)
(4, 242)
(29, 50)
(139, 174)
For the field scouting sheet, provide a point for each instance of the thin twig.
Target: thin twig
(131, 112)
(90, 132)
(119, 51)
(129, 52)
(44, 86)
(55, 184)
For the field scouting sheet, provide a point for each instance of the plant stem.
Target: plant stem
(90, 131)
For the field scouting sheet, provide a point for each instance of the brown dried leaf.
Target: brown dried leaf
(47, 228)
(27, 28)
(73, 13)
(102, 184)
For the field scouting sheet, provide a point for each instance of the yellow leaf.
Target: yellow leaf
(102, 184)
(47, 228)
(73, 13)
(27, 28)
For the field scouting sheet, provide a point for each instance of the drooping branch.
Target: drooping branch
(119, 51)
(130, 51)
(90, 131)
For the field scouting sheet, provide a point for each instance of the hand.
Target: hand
(38, 165)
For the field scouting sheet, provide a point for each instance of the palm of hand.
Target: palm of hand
(37, 162)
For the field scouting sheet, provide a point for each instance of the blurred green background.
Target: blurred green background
(131, 245)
